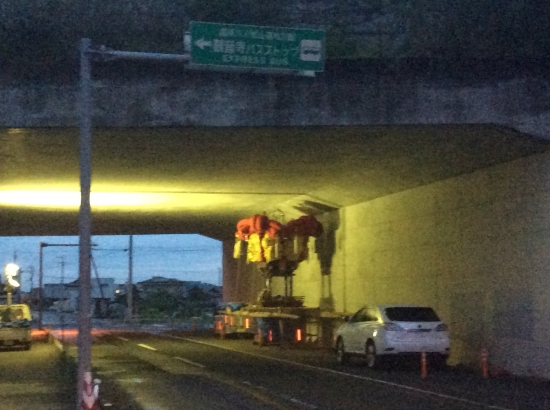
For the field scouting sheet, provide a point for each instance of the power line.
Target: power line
(177, 249)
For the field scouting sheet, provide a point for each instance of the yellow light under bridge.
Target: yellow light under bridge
(71, 199)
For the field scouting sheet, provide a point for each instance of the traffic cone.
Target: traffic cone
(484, 367)
(423, 365)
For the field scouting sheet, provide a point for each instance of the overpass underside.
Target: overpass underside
(454, 216)
(204, 179)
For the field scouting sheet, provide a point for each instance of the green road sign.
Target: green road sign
(257, 47)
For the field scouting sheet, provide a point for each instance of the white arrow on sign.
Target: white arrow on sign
(201, 43)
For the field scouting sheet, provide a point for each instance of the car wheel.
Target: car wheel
(341, 355)
(370, 355)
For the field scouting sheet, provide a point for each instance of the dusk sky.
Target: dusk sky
(184, 257)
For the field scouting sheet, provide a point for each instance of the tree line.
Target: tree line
(39, 38)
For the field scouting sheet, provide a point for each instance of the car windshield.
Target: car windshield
(7, 315)
(411, 314)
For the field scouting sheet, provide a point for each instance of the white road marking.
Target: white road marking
(281, 395)
(309, 406)
(181, 359)
(123, 338)
(110, 371)
(355, 376)
(130, 380)
(146, 346)
(58, 344)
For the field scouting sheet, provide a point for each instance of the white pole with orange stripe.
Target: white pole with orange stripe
(89, 393)
(423, 365)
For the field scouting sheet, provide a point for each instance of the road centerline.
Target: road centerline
(147, 346)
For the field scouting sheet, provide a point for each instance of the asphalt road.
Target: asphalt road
(36, 379)
(206, 373)
(157, 380)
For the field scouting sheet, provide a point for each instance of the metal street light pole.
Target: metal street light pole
(84, 341)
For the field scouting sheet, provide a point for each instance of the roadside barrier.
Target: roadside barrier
(484, 367)
(423, 365)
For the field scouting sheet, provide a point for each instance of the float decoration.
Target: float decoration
(281, 247)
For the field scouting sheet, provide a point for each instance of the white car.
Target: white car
(375, 332)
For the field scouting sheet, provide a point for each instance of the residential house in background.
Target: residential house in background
(215, 293)
(121, 289)
(54, 292)
(178, 288)
(158, 284)
(212, 292)
(65, 296)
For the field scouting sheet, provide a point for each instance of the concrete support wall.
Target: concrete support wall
(345, 94)
(476, 247)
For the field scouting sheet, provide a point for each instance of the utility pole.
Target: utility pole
(41, 274)
(40, 290)
(129, 286)
(62, 270)
(18, 295)
(63, 301)
(31, 271)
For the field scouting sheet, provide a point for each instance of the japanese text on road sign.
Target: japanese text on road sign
(255, 46)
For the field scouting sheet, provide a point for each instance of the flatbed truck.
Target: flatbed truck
(283, 325)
